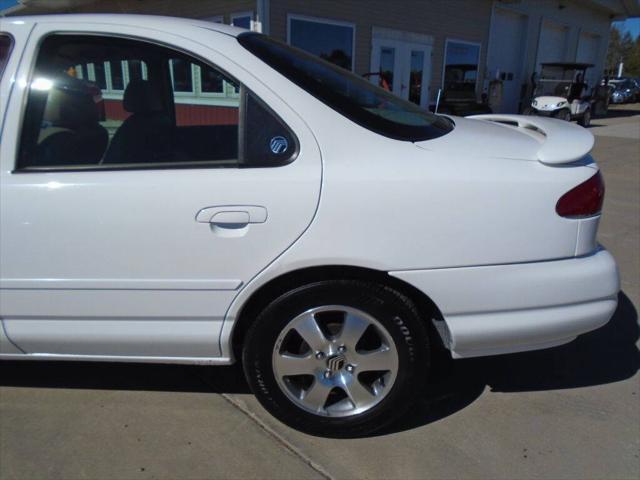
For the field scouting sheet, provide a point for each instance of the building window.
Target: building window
(115, 75)
(461, 67)
(214, 19)
(328, 39)
(181, 75)
(242, 20)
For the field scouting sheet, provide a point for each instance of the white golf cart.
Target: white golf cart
(561, 93)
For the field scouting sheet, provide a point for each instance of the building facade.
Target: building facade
(414, 48)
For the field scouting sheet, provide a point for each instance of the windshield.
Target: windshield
(347, 93)
(552, 88)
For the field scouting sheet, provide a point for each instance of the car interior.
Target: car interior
(66, 123)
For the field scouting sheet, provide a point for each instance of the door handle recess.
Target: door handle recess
(232, 215)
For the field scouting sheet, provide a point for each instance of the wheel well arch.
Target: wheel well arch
(277, 286)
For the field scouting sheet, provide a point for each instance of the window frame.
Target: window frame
(194, 165)
(444, 59)
(325, 21)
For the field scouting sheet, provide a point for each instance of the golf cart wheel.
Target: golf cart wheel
(337, 358)
(585, 119)
(563, 114)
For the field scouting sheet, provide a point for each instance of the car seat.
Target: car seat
(145, 136)
(71, 133)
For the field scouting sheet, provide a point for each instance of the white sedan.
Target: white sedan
(185, 192)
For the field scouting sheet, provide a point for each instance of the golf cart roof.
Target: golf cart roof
(568, 65)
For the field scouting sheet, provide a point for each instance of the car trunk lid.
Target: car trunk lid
(546, 140)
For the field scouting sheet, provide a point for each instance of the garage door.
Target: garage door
(552, 46)
(506, 55)
(588, 52)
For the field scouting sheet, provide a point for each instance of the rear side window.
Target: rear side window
(347, 93)
(5, 50)
(111, 103)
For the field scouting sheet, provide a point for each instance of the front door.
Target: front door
(401, 63)
(142, 189)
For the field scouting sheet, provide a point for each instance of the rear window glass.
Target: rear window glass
(5, 50)
(347, 93)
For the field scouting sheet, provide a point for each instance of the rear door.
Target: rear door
(138, 253)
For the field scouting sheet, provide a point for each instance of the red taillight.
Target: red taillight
(585, 200)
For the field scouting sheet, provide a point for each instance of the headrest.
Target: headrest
(71, 106)
(140, 96)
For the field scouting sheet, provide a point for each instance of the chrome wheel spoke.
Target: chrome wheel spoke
(358, 393)
(381, 359)
(316, 396)
(288, 365)
(310, 332)
(352, 330)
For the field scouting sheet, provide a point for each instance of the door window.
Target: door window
(117, 103)
(387, 65)
(415, 76)
(5, 50)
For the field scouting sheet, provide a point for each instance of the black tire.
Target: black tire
(394, 311)
(563, 114)
(528, 111)
(585, 119)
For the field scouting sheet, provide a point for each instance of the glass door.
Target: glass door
(402, 68)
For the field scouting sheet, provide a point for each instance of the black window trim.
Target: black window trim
(196, 165)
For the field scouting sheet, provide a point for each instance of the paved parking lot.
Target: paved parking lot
(568, 412)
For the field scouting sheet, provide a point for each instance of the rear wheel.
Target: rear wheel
(528, 111)
(585, 119)
(337, 358)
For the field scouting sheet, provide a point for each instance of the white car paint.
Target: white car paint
(557, 144)
(89, 272)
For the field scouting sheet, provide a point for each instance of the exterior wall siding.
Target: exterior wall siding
(467, 20)
(181, 8)
(574, 16)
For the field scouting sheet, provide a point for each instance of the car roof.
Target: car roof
(175, 24)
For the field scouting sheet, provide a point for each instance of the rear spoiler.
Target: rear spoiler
(561, 141)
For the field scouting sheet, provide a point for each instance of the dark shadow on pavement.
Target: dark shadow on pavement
(123, 376)
(606, 355)
(628, 110)
(603, 356)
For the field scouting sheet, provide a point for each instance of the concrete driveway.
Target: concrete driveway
(568, 412)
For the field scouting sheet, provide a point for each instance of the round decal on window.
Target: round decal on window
(278, 145)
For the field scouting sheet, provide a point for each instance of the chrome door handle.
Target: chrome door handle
(232, 215)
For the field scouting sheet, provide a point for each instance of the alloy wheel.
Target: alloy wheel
(335, 361)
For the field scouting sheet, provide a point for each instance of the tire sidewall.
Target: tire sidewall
(385, 305)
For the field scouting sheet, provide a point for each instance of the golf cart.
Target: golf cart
(560, 92)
